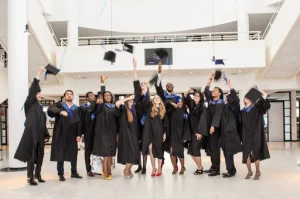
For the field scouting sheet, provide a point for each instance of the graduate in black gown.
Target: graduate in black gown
(66, 134)
(215, 107)
(31, 147)
(105, 128)
(180, 133)
(230, 139)
(167, 97)
(154, 133)
(128, 143)
(199, 125)
(141, 92)
(87, 119)
(255, 148)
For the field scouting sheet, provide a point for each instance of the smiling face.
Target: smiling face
(90, 97)
(247, 102)
(216, 92)
(170, 87)
(107, 97)
(197, 97)
(144, 87)
(156, 100)
(38, 96)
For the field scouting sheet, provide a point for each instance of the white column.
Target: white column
(294, 115)
(72, 23)
(242, 94)
(17, 75)
(242, 21)
(76, 99)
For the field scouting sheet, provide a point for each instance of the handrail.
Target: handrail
(272, 19)
(48, 23)
(159, 38)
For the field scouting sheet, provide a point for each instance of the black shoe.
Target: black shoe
(138, 169)
(228, 175)
(32, 182)
(144, 171)
(62, 178)
(90, 174)
(214, 173)
(208, 171)
(75, 175)
(40, 179)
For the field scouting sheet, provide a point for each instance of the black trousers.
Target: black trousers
(60, 167)
(214, 150)
(229, 159)
(87, 156)
(36, 158)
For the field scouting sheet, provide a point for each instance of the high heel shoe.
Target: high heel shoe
(182, 171)
(257, 175)
(154, 174)
(249, 175)
(198, 172)
(127, 175)
(175, 170)
(158, 174)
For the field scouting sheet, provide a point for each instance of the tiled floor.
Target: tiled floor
(280, 179)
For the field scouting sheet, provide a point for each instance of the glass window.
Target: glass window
(287, 104)
(287, 128)
(287, 120)
(287, 112)
(287, 136)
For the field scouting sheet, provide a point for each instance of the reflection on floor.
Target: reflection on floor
(280, 179)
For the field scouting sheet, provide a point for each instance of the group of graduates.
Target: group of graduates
(140, 125)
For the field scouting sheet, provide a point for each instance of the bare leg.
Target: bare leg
(159, 166)
(109, 165)
(250, 173)
(173, 160)
(197, 160)
(152, 160)
(182, 170)
(105, 169)
(257, 173)
(127, 173)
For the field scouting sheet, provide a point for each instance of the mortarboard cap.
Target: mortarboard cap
(110, 56)
(218, 75)
(153, 79)
(219, 61)
(253, 95)
(196, 88)
(128, 48)
(50, 70)
(161, 53)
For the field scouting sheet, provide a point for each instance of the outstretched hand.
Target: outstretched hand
(159, 67)
(134, 63)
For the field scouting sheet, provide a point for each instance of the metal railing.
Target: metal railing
(159, 38)
(272, 19)
(48, 23)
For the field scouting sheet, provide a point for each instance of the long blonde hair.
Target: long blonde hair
(154, 111)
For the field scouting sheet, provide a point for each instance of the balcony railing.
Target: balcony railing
(159, 38)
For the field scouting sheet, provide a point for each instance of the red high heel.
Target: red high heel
(154, 174)
(158, 174)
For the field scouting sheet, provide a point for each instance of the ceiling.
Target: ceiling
(287, 62)
(257, 22)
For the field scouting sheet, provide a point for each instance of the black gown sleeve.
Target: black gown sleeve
(203, 127)
(234, 103)
(31, 98)
(186, 131)
(102, 89)
(160, 91)
(166, 125)
(262, 105)
(188, 101)
(207, 93)
(54, 110)
(137, 91)
(216, 119)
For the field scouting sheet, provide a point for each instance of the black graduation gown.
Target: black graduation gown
(169, 109)
(253, 136)
(66, 129)
(214, 119)
(140, 100)
(105, 131)
(180, 130)
(230, 139)
(35, 131)
(87, 127)
(153, 132)
(199, 124)
(128, 143)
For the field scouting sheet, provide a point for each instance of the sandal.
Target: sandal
(257, 175)
(249, 175)
(182, 171)
(175, 170)
(198, 172)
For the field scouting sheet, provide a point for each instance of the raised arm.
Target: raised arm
(158, 86)
(134, 70)
(207, 92)
(234, 100)
(137, 90)
(33, 90)
(121, 101)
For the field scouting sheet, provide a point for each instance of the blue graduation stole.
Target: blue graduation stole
(86, 105)
(248, 109)
(69, 110)
(42, 107)
(111, 106)
(220, 101)
(144, 115)
(171, 96)
(186, 116)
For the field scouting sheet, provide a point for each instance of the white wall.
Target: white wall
(188, 55)
(3, 83)
(271, 2)
(41, 31)
(47, 6)
(142, 16)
